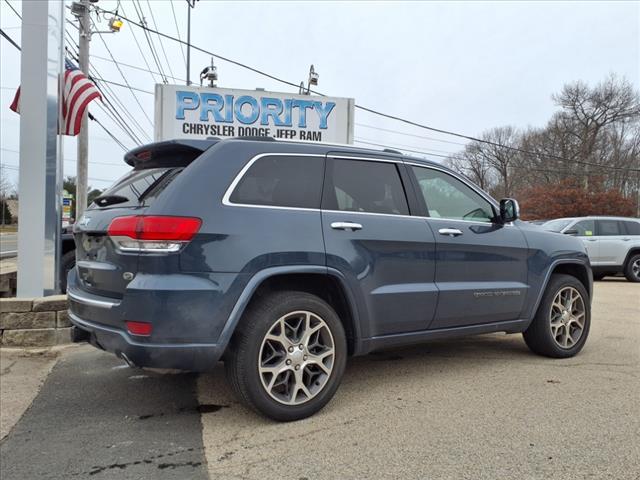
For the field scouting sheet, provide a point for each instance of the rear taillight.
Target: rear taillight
(152, 234)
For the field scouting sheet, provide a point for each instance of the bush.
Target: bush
(569, 199)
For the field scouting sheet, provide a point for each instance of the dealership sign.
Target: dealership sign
(201, 112)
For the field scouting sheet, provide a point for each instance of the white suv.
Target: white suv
(612, 243)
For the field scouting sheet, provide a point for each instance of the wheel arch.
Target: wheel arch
(321, 281)
(632, 251)
(576, 269)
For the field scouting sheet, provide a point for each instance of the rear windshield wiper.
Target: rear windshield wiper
(106, 200)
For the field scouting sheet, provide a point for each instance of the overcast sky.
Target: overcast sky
(466, 66)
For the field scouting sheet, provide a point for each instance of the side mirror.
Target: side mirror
(571, 232)
(509, 210)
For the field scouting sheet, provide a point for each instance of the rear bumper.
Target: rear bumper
(192, 357)
(188, 314)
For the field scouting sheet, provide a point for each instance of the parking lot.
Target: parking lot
(481, 407)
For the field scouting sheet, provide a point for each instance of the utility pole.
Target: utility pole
(82, 172)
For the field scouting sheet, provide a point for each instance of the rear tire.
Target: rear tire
(273, 361)
(561, 324)
(632, 268)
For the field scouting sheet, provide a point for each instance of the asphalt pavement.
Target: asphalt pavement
(8, 245)
(97, 418)
(475, 408)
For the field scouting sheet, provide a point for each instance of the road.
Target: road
(476, 408)
(8, 245)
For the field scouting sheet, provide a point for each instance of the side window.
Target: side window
(609, 227)
(283, 181)
(448, 197)
(633, 228)
(585, 228)
(365, 186)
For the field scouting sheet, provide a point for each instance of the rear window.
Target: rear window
(137, 187)
(633, 228)
(609, 227)
(282, 181)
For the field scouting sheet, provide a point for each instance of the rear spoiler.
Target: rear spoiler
(170, 153)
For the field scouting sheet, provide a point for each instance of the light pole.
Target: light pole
(190, 4)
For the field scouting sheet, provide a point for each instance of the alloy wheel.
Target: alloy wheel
(567, 317)
(635, 268)
(296, 357)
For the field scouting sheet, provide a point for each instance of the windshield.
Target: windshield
(556, 225)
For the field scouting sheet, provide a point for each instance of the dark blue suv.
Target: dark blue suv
(283, 258)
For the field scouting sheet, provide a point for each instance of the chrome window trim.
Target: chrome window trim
(227, 202)
(366, 159)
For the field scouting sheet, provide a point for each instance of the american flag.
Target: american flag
(77, 92)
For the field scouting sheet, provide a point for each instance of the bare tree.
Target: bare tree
(5, 184)
(587, 113)
(594, 139)
(472, 163)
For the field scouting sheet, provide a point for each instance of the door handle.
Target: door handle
(452, 232)
(626, 239)
(591, 239)
(346, 226)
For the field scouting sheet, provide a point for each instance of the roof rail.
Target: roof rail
(255, 138)
(391, 150)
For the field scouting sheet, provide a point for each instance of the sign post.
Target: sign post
(201, 112)
(40, 148)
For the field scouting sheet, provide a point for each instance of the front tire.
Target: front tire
(561, 325)
(288, 355)
(632, 268)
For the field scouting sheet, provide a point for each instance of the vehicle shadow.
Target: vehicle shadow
(372, 377)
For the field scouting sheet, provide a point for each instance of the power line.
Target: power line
(114, 114)
(408, 134)
(456, 156)
(129, 87)
(155, 25)
(175, 19)
(135, 67)
(144, 57)
(9, 39)
(370, 110)
(120, 144)
(147, 36)
(73, 159)
(111, 111)
(124, 77)
(13, 8)
(17, 168)
(365, 140)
